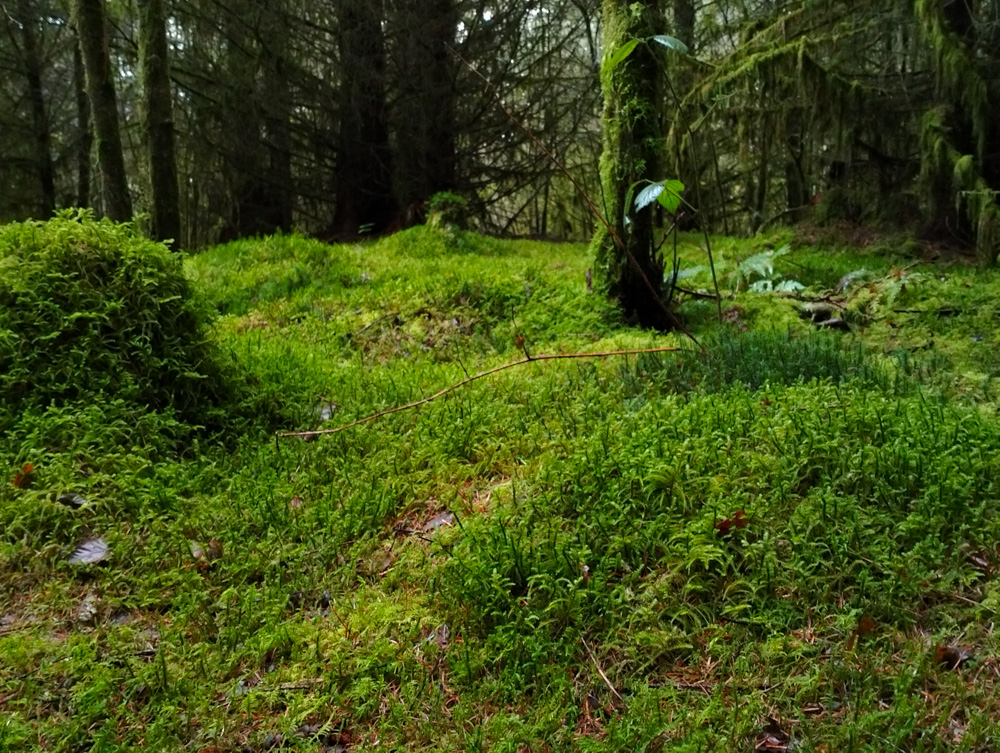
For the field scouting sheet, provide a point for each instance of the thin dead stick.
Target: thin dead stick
(473, 378)
(601, 671)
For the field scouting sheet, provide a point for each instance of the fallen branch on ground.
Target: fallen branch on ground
(473, 378)
(601, 671)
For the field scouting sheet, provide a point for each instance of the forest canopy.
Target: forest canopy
(238, 118)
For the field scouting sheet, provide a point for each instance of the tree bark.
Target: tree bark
(682, 77)
(425, 110)
(633, 136)
(159, 122)
(277, 106)
(364, 160)
(27, 19)
(84, 134)
(684, 18)
(796, 198)
(91, 26)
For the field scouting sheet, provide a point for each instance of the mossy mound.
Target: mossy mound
(90, 311)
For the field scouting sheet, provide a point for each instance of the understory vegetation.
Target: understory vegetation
(786, 540)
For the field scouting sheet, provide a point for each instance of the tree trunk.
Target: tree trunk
(92, 28)
(39, 113)
(84, 134)
(425, 111)
(796, 198)
(159, 123)
(277, 106)
(633, 134)
(684, 18)
(682, 78)
(364, 185)
(253, 112)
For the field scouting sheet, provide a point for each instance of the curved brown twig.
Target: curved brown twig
(473, 378)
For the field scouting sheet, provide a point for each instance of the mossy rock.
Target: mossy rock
(90, 310)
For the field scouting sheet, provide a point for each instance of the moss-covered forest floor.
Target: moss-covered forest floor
(786, 542)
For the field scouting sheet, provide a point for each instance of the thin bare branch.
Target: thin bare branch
(473, 378)
(601, 671)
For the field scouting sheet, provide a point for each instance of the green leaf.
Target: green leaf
(671, 43)
(691, 271)
(670, 197)
(761, 264)
(620, 54)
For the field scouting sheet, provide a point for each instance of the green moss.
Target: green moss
(294, 591)
(92, 310)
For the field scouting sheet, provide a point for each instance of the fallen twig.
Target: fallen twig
(374, 322)
(601, 671)
(473, 378)
(697, 294)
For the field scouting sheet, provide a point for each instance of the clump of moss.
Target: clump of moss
(447, 210)
(92, 311)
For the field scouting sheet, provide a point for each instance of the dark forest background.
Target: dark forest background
(230, 118)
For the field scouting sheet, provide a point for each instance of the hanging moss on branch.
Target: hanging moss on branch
(958, 132)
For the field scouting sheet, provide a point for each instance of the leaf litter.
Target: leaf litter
(90, 552)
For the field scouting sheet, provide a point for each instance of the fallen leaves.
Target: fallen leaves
(866, 626)
(24, 478)
(71, 499)
(952, 657)
(724, 527)
(773, 739)
(206, 555)
(444, 519)
(90, 552)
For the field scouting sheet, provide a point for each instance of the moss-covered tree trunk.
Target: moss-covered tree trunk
(960, 160)
(627, 259)
(91, 25)
(159, 121)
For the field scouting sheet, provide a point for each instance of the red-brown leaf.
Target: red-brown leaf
(24, 477)
(725, 526)
(952, 657)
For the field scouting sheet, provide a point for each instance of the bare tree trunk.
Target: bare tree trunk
(91, 26)
(684, 18)
(84, 135)
(796, 197)
(277, 106)
(27, 19)
(682, 78)
(426, 103)
(159, 122)
(364, 165)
